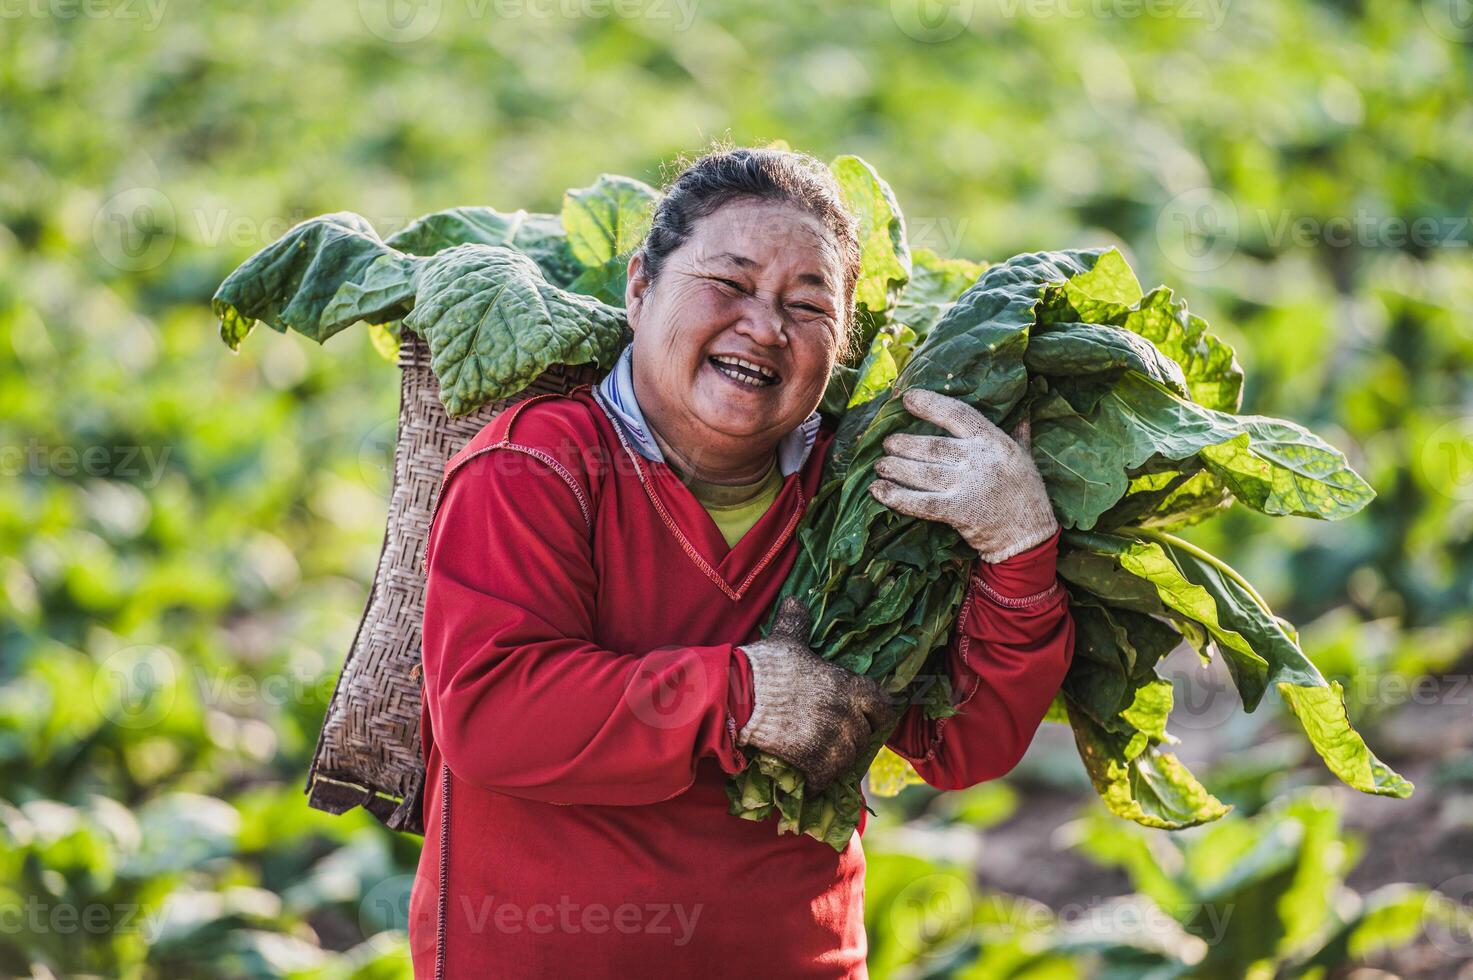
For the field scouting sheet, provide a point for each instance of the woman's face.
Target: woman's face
(759, 282)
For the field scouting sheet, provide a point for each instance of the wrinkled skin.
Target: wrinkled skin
(758, 280)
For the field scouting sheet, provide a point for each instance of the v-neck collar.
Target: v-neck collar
(734, 569)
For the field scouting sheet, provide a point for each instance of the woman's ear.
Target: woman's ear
(635, 289)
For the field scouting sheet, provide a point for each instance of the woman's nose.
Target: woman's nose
(763, 323)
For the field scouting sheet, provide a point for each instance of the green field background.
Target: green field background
(187, 534)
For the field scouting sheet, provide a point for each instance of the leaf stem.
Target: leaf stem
(1161, 537)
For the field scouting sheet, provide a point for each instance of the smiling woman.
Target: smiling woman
(740, 303)
(594, 665)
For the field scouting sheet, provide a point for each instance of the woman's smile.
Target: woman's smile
(748, 374)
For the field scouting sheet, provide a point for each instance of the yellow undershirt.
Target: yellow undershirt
(736, 508)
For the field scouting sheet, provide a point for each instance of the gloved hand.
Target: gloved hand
(978, 480)
(808, 712)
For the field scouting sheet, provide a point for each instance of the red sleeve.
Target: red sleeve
(1013, 643)
(521, 698)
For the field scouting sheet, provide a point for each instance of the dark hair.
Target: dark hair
(725, 175)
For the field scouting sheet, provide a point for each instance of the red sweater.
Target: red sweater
(583, 687)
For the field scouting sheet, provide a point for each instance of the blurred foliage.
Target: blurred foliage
(186, 535)
(1261, 897)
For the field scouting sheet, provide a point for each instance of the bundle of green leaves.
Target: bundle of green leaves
(1133, 403)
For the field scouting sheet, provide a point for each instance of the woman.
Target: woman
(599, 569)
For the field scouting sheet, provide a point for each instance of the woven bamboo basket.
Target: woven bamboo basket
(369, 752)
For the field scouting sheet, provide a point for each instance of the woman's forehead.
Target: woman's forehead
(755, 234)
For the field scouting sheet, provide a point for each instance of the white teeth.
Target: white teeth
(740, 377)
(764, 371)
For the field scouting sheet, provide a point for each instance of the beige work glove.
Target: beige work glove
(979, 480)
(808, 712)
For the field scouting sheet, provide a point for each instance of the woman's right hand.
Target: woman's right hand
(808, 712)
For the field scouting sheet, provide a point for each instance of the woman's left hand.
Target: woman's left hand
(979, 480)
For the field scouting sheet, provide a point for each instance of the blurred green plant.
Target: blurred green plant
(1263, 897)
(1260, 897)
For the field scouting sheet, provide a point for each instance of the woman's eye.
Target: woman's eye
(731, 284)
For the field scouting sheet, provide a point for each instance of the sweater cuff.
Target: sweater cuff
(1025, 575)
(740, 692)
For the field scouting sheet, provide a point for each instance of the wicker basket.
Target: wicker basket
(369, 752)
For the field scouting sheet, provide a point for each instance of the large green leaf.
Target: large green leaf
(1160, 567)
(1173, 498)
(1108, 289)
(321, 276)
(975, 352)
(1278, 468)
(1139, 782)
(1111, 295)
(885, 262)
(540, 236)
(1070, 349)
(1281, 468)
(1086, 459)
(608, 220)
(1210, 366)
(1321, 710)
(884, 253)
(1207, 591)
(935, 283)
(493, 324)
